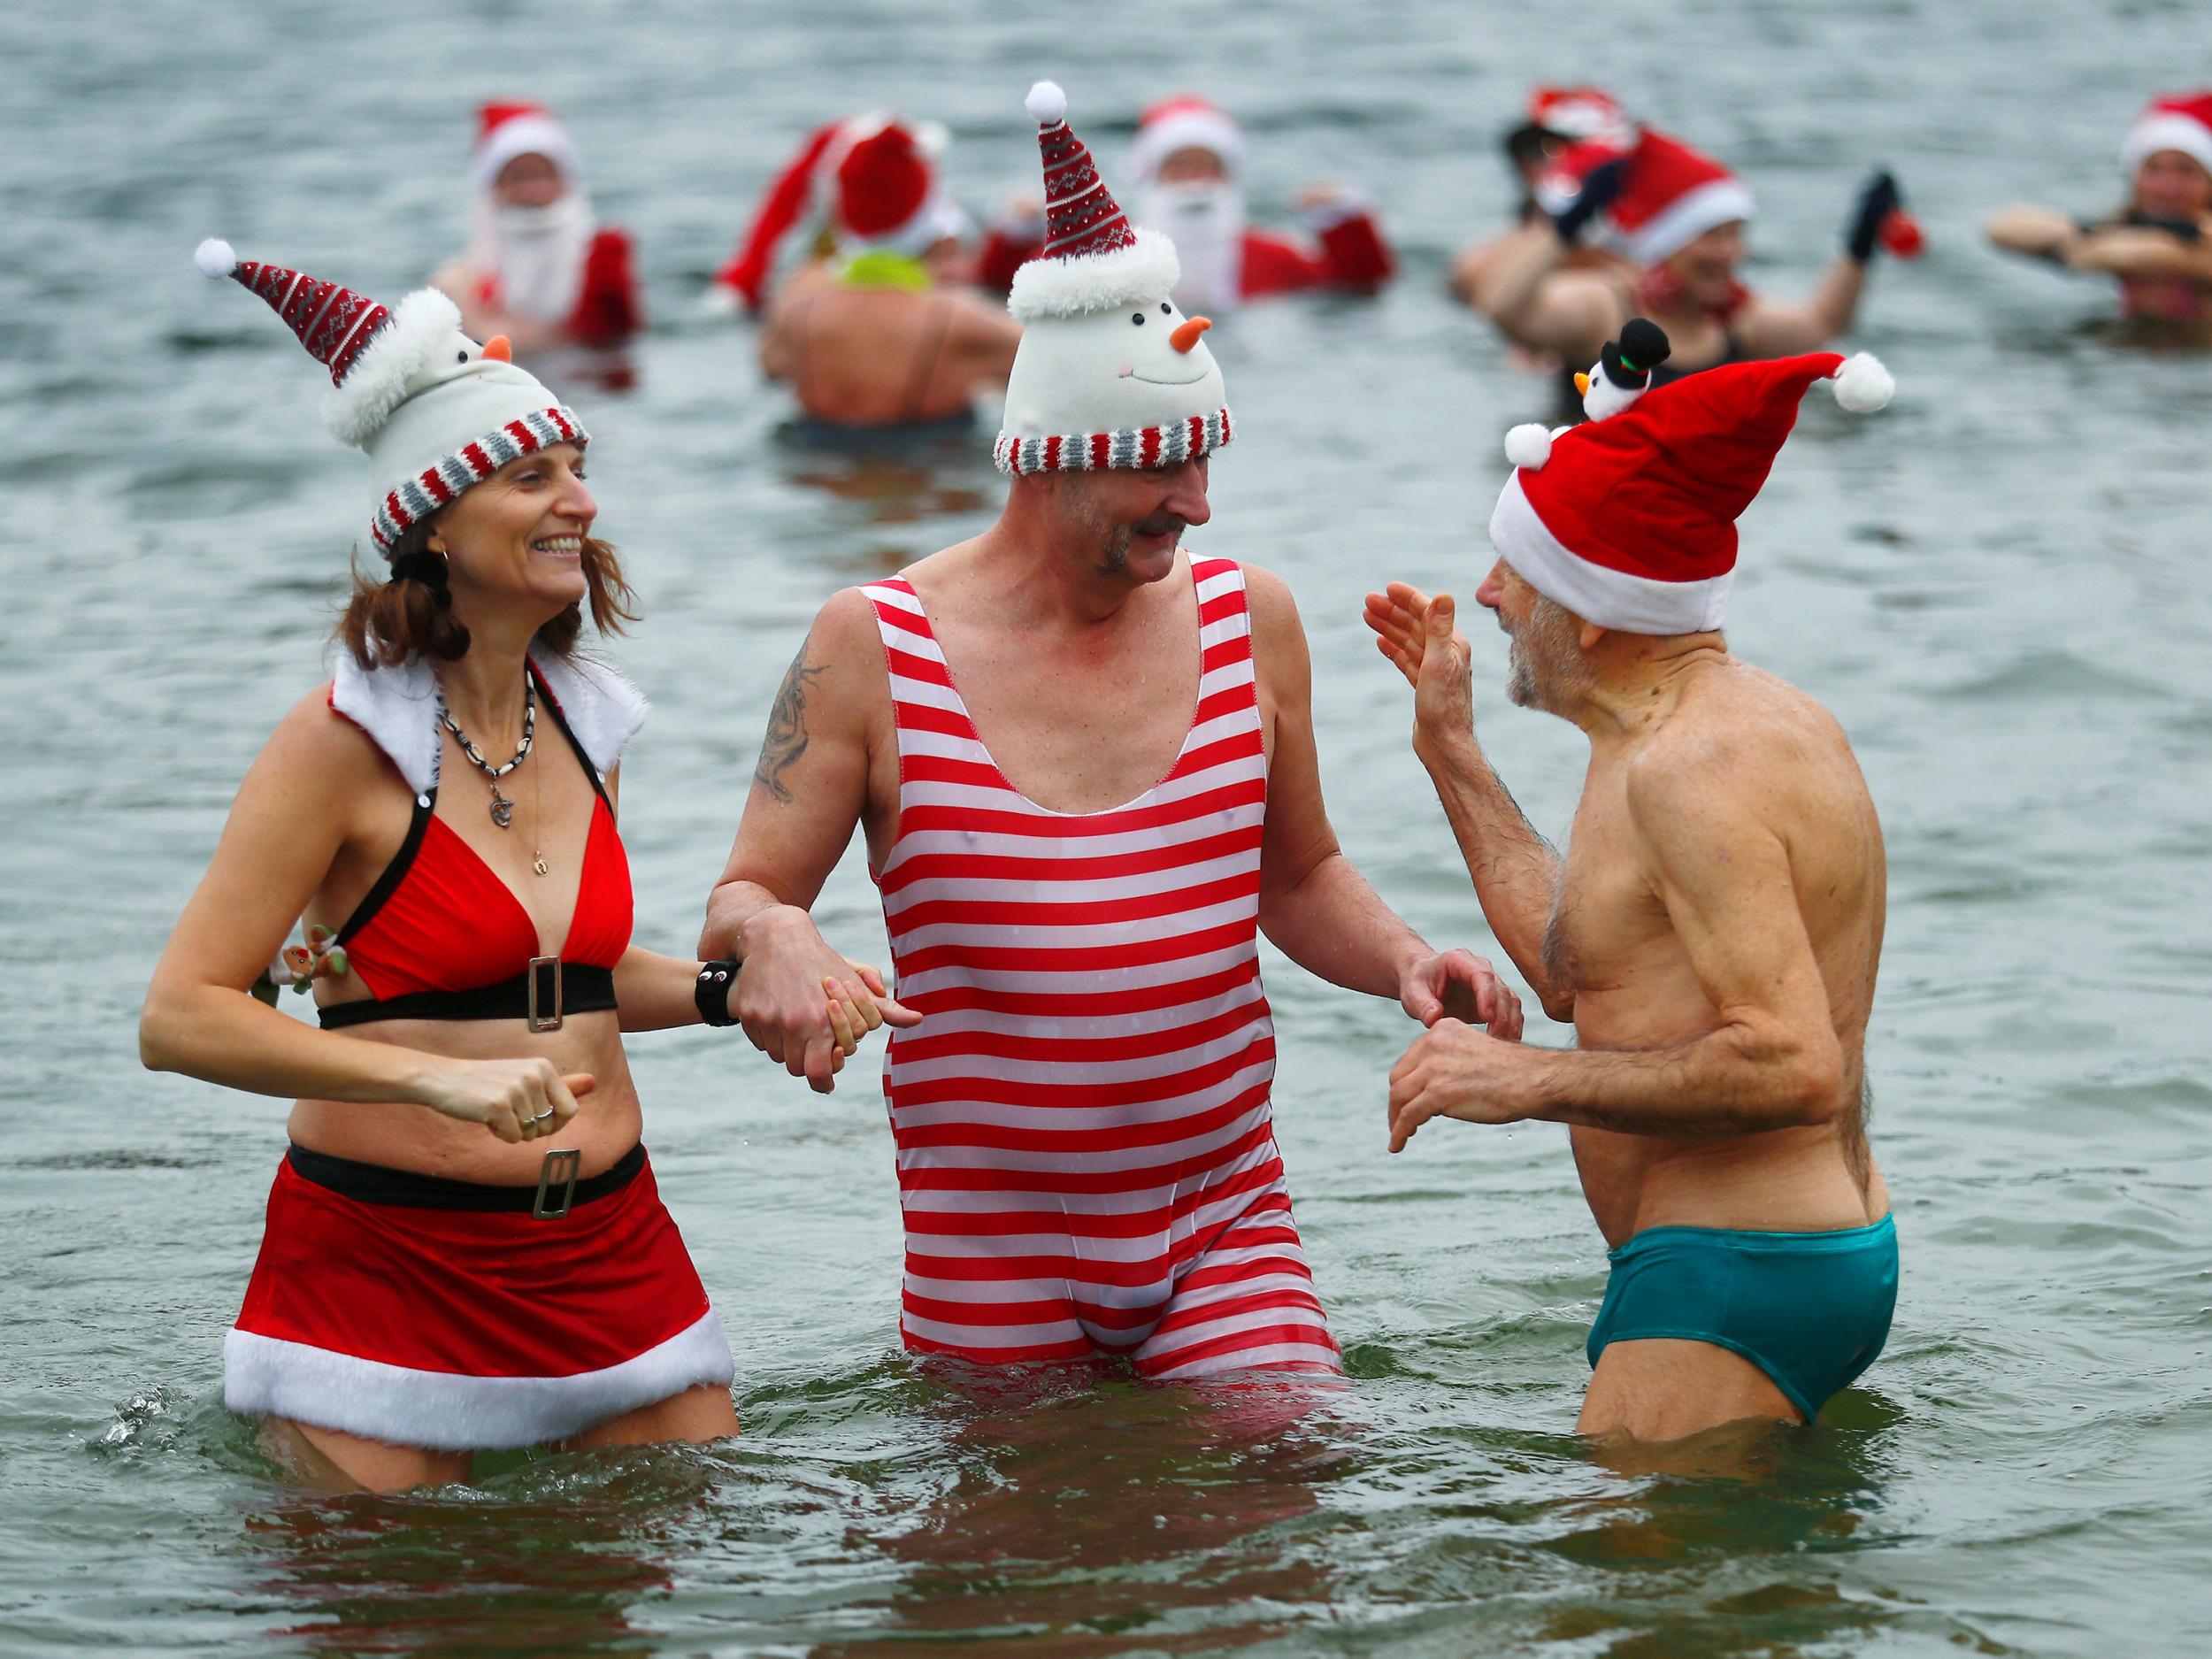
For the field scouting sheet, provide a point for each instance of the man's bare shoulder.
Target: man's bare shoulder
(1276, 625)
(975, 316)
(1739, 741)
(845, 631)
(942, 576)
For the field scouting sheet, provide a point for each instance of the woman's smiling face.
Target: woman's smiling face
(516, 539)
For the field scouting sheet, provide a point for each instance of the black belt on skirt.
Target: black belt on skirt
(540, 994)
(377, 1183)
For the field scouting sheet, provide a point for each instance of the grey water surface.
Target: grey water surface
(2000, 586)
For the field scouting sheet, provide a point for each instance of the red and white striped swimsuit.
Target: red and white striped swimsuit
(1087, 1154)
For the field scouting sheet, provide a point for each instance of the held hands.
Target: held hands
(1459, 987)
(517, 1100)
(794, 994)
(1454, 1070)
(1419, 637)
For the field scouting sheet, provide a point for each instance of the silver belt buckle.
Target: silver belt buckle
(540, 997)
(557, 1174)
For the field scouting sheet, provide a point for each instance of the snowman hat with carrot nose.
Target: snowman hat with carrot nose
(1630, 520)
(435, 412)
(1108, 372)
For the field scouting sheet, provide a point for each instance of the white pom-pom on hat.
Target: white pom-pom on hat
(1862, 385)
(1528, 445)
(215, 258)
(1047, 103)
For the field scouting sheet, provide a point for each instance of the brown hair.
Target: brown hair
(410, 615)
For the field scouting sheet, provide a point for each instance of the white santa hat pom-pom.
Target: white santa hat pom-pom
(1528, 446)
(1862, 385)
(215, 258)
(1047, 103)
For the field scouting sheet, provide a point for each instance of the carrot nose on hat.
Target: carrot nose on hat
(1187, 332)
(498, 348)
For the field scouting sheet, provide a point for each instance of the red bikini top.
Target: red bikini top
(440, 936)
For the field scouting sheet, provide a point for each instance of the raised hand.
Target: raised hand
(1421, 638)
(517, 1100)
(1878, 198)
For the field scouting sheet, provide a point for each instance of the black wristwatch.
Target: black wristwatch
(711, 991)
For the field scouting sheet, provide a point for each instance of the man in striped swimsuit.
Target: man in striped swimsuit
(1084, 763)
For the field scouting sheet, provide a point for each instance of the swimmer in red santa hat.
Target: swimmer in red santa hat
(883, 326)
(1553, 120)
(540, 269)
(1187, 181)
(2159, 244)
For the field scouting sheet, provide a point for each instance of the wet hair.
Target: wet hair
(409, 614)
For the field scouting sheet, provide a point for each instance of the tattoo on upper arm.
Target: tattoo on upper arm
(786, 738)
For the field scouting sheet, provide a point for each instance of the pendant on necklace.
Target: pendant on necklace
(538, 864)
(503, 809)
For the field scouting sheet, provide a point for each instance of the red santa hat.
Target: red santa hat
(1580, 113)
(1184, 123)
(873, 177)
(504, 131)
(2175, 121)
(1629, 522)
(1672, 196)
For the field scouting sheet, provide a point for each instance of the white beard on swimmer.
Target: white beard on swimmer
(1205, 218)
(536, 254)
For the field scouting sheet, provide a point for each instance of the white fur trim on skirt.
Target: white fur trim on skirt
(265, 1376)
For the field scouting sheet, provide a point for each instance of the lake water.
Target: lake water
(1999, 585)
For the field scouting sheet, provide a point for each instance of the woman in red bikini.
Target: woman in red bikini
(464, 1247)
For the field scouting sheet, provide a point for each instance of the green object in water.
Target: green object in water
(882, 268)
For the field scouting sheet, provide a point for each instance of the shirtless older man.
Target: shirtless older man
(1713, 932)
(1084, 763)
(883, 331)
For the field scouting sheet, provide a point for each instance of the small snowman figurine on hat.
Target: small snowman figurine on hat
(1623, 372)
(1109, 373)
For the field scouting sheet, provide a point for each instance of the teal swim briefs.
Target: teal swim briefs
(1810, 1309)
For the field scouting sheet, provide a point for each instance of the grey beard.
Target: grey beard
(1544, 669)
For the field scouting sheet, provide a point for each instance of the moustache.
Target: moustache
(1162, 524)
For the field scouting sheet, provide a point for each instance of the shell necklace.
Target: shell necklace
(503, 809)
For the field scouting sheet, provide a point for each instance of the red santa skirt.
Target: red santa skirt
(427, 1312)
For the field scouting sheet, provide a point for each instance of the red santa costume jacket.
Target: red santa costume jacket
(607, 310)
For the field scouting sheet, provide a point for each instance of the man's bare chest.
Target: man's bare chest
(1605, 914)
(1078, 735)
